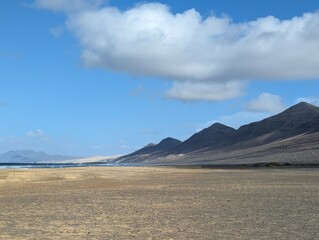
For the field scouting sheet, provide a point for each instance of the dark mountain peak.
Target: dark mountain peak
(302, 107)
(220, 127)
(301, 118)
(151, 149)
(298, 121)
(217, 124)
(170, 141)
(301, 113)
(214, 136)
(149, 145)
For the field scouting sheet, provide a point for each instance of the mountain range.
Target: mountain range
(288, 137)
(291, 137)
(29, 156)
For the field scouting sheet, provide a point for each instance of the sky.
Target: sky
(94, 77)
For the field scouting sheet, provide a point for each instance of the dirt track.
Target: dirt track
(159, 203)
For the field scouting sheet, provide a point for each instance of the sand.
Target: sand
(159, 203)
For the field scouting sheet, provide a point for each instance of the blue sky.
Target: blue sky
(81, 77)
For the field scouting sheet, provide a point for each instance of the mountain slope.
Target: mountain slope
(213, 137)
(302, 118)
(151, 150)
(296, 125)
(301, 149)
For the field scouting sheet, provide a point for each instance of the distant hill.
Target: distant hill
(28, 156)
(266, 140)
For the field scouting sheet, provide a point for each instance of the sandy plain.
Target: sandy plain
(159, 203)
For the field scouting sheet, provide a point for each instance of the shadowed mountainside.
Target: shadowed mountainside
(212, 137)
(151, 149)
(255, 142)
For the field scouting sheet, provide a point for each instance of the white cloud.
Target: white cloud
(149, 40)
(188, 90)
(266, 102)
(311, 100)
(38, 133)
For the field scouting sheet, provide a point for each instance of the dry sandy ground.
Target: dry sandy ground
(159, 203)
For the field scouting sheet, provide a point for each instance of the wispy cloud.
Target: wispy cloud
(206, 58)
(188, 90)
(266, 102)
(38, 133)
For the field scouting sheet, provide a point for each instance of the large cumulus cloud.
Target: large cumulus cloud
(213, 56)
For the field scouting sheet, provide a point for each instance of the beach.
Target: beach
(159, 203)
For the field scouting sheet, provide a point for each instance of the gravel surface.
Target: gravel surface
(159, 203)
